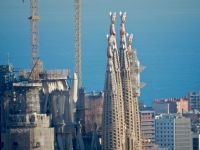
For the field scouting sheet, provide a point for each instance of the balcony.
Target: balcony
(148, 128)
(149, 137)
(144, 120)
(150, 144)
(151, 132)
(148, 123)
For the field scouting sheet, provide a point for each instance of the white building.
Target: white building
(173, 132)
(183, 140)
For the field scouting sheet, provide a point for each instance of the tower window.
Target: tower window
(15, 144)
(2, 144)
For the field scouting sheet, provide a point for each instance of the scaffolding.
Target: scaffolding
(5, 78)
(5, 85)
(56, 74)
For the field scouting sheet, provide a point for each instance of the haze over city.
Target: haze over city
(166, 36)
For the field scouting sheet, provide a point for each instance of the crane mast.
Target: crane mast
(35, 64)
(77, 13)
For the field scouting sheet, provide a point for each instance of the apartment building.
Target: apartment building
(173, 131)
(172, 105)
(194, 100)
(148, 127)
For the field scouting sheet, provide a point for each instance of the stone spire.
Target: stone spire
(111, 138)
(121, 124)
(116, 65)
(79, 138)
(95, 145)
(131, 113)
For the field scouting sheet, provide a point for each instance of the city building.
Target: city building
(195, 141)
(165, 131)
(183, 140)
(141, 105)
(147, 119)
(160, 108)
(89, 109)
(194, 100)
(194, 115)
(172, 105)
(174, 132)
(156, 147)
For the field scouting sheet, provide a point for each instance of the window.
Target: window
(2, 144)
(37, 144)
(15, 144)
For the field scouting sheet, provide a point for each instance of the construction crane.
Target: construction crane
(77, 13)
(35, 64)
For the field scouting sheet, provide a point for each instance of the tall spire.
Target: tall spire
(131, 112)
(124, 59)
(135, 70)
(120, 109)
(79, 139)
(116, 65)
(111, 114)
(95, 145)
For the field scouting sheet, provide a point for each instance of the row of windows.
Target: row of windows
(164, 132)
(164, 136)
(164, 123)
(164, 128)
(166, 145)
(169, 144)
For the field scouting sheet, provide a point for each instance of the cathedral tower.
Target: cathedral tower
(121, 124)
(111, 112)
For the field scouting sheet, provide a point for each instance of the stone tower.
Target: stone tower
(133, 135)
(112, 114)
(120, 109)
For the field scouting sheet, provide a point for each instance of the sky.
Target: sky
(166, 36)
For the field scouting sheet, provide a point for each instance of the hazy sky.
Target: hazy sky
(166, 36)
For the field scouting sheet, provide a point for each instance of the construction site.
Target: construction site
(49, 110)
(38, 106)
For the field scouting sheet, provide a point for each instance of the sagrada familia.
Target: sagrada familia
(121, 123)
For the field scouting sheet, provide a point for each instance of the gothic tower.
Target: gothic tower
(111, 113)
(132, 137)
(122, 85)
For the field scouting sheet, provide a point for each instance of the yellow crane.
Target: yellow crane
(35, 64)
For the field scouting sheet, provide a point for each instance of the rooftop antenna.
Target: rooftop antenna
(8, 59)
